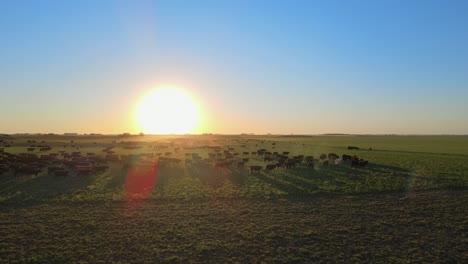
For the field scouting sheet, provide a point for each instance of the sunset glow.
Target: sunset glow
(167, 111)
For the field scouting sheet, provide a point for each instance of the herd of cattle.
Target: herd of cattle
(58, 164)
(273, 160)
(220, 159)
(63, 163)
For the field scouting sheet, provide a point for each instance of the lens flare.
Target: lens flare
(140, 181)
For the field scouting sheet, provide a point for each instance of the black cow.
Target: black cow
(26, 170)
(61, 173)
(255, 169)
(270, 167)
(101, 168)
(355, 162)
(84, 171)
(51, 170)
(290, 164)
(363, 163)
(3, 168)
(332, 157)
(346, 157)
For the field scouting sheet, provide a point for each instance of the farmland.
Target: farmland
(407, 204)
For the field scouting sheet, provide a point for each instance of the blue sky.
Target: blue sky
(253, 66)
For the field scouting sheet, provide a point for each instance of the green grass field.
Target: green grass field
(396, 164)
(406, 206)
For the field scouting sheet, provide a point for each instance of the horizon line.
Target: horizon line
(225, 134)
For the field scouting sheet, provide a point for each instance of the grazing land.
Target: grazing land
(245, 198)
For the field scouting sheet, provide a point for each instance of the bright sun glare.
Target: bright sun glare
(167, 111)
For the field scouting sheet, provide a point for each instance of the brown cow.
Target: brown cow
(220, 165)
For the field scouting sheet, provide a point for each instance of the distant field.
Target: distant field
(407, 204)
(395, 164)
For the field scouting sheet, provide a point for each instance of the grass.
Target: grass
(406, 206)
(416, 227)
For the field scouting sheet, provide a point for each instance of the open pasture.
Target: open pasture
(187, 199)
(200, 167)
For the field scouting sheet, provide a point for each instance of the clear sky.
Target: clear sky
(252, 66)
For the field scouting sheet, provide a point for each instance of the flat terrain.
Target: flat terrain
(408, 204)
(416, 227)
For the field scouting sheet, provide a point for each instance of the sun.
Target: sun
(167, 111)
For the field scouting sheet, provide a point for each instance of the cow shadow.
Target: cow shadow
(304, 181)
(210, 176)
(216, 177)
(387, 168)
(119, 176)
(164, 177)
(284, 184)
(240, 176)
(135, 180)
(43, 188)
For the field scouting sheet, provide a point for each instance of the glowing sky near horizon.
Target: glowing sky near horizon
(302, 67)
